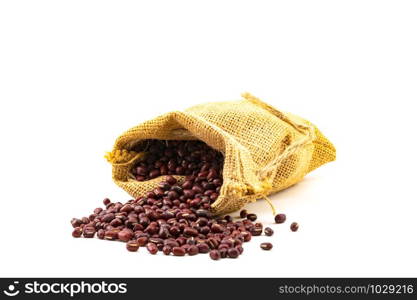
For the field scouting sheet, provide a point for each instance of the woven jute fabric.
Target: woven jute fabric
(264, 149)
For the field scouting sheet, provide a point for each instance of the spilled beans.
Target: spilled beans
(174, 218)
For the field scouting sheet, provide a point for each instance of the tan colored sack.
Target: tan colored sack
(264, 149)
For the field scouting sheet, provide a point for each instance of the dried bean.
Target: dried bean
(266, 246)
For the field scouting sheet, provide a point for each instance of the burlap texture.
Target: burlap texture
(264, 149)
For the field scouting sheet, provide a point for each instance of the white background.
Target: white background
(76, 74)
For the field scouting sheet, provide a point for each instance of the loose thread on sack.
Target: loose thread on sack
(270, 204)
(262, 192)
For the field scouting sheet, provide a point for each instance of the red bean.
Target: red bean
(193, 250)
(132, 246)
(154, 173)
(178, 251)
(171, 179)
(127, 208)
(187, 185)
(214, 254)
(142, 241)
(141, 170)
(188, 231)
(280, 218)
(77, 232)
(76, 222)
(268, 231)
(252, 217)
(233, 253)
(256, 231)
(266, 246)
(167, 250)
(101, 234)
(89, 231)
(203, 248)
(246, 236)
(152, 248)
(108, 217)
(217, 228)
(294, 226)
(125, 235)
(111, 234)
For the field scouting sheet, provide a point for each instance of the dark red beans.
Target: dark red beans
(217, 228)
(101, 233)
(188, 231)
(166, 250)
(111, 234)
(280, 218)
(214, 254)
(154, 173)
(239, 249)
(175, 216)
(195, 203)
(294, 226)
(141, 171)
(188, 194)
(108, 217)
(152, 248)
(223, 252)
(193, 250)
(181, 240)
(252, 217)
(256, 231)
(156, 240)
(98, 210)
(243, 213)
(151, 229)
(203, 248)
(116, 222)
(246, 236)
(178, 251)
(137, 227)
(142, 241)
(228, 218)
(268, 231)
(266, 246)
(185, 247)
(132, 246)
(217, 182)
(171, 243)
(77, 232)
(89, 231)
(174, 230)
(164, 185)
(191, 241)
(125, 235)
(126, 208)
(212, 243)
(150, 195)
(76, 222)
(187, 185)
(203, 213)
(233, 253)
(202, 221)
(172, 195)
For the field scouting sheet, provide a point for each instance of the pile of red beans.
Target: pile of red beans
(175, 217)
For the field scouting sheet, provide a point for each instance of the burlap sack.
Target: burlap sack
(265, 150)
